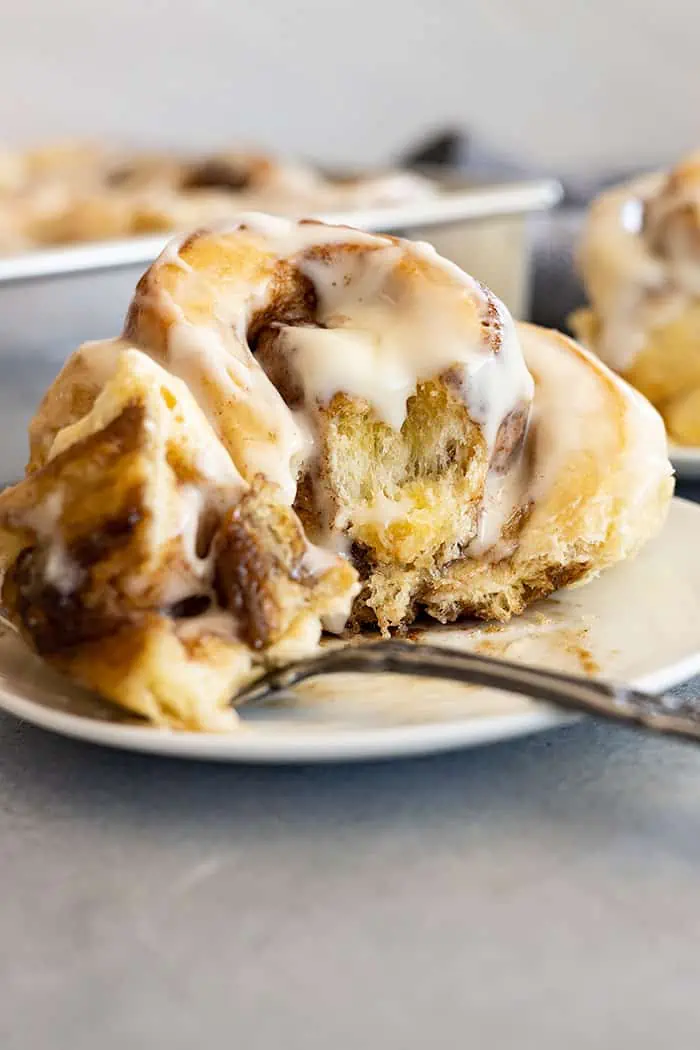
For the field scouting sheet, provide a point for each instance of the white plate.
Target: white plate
(639, 623)
(686, 461)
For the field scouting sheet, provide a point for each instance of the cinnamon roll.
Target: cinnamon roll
(640, 261)
(75, 192)
(305, 426)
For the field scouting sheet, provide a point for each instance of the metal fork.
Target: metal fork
(593, 696)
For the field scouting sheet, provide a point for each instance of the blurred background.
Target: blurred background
(563, 88)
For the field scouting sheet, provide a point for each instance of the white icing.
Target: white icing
(383, 511)
(336, 617)
(286, 237)
(317, 559)
(60, 571)
(44, 517)
(208, 359)
(503, 494)
(170, 255)
(378, 340)
(499, 383)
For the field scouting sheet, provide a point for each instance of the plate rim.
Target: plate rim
(323, 745)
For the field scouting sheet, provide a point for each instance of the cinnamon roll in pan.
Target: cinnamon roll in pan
(302, 427)
(640, 261)
(76, 192)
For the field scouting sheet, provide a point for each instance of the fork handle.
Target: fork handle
(663, 713)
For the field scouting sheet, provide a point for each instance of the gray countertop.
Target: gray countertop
(541, 893)
(533, 894)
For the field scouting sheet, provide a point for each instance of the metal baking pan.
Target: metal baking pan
(52, 300)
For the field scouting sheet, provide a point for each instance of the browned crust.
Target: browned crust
(259, 577)
(291, 300)
(510, 438)
(52, 619)
(98, 527)
(491, 320)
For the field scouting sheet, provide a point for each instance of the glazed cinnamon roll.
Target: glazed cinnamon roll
(307, 426)
(640, 261)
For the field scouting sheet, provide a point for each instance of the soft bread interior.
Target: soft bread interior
(408, 500)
